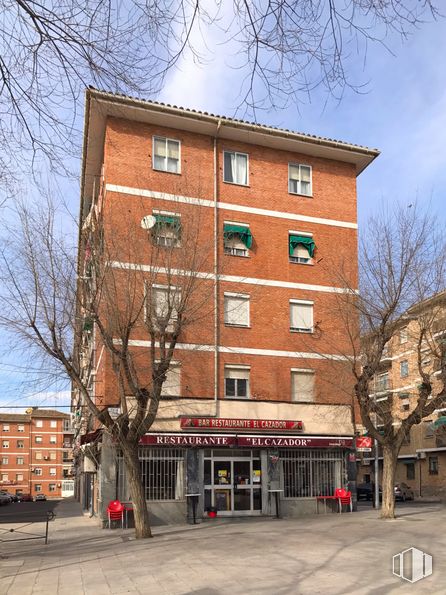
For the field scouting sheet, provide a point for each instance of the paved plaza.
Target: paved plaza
(329, 554)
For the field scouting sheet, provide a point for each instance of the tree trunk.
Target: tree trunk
(133, 474)
(390, 457)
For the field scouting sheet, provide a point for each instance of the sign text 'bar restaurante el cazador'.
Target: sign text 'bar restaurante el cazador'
(257, 402)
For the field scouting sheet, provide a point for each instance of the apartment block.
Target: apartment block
(36, 453)
(258, 398)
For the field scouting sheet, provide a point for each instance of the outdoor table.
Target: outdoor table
(276, 493)
(194, 505)
(324, 498)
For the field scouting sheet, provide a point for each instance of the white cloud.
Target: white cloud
(43, 400)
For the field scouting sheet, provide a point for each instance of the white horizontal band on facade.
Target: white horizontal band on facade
(227, 206)
(241, 350)
(229, 278)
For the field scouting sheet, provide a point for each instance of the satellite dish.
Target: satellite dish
(148, 222)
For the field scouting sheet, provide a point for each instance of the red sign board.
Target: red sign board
(222, 423)
(245, 441)
(363, 443)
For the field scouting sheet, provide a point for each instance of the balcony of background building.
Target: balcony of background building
(386, 357)
(67, 428)
(380, 386)
(67, 457)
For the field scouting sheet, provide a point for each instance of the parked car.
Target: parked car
(12, 496)
(366, 491)
(25, 498)
(403, 492)
(5, 498)
(40, 498)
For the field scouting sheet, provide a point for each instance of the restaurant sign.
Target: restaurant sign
(216, 440)
(222, 423)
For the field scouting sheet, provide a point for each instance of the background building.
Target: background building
(36, 453)
(259, 397)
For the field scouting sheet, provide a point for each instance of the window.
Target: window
(37, 471)
(405, 407)
(20, 444)
(167, 229)
(6, 427)
(382, 383)
(38, 455)
(20, 461)
(235, 168)
(404, 368)
(39, 423)
(299, 179)
(5, 461)
(53, 439)
(301, 316)
(5, 477)
(237, 239)
(165, 302)
(302, 385)
(410, 471)
(52, 456)
(237, 381)
(166, 154)
(20, 428)
(38, 439)
(428, 429)
(403, 335)
(308, 473)
(53, 423)
(66, 425)
(52, 470)
(236, 309)
(5, 443)
(300, 247)
(172, 384)
(37, 487)
(433, 465)
(19, 477)
(52, 487)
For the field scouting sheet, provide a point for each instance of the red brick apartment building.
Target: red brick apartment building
(36, 453)
(257, 402)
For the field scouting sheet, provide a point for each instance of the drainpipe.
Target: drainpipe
(216, 284)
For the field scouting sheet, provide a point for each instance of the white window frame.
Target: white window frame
(241, 296)
(240, 249)
(299, 165)
(20, 428)
(20, 444)
(404, 363)
(243, 368)
(302, 303)
(38, 471)
(150, 305)
(247, 167)
(5, 477)
(5, 460)
(307, 371)
(37, 487)
(38, 439)
(5, 443)
(20, 460)
(297, 259)
(6, 427)
(53, 423)
(53, 456)
(176, 241)
(52, 487)
(39, 423)
(403, 336)
(53, 471)
(19, 476)
(53, 439)
(166, 139)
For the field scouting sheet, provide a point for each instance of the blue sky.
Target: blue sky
(401, 111)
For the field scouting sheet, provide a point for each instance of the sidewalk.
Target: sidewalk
(331, 554)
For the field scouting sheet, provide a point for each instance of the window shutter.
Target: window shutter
(237, 373)
(237, 310)
(302, 386)
(294, 172)
(160, 147)
(301, 316)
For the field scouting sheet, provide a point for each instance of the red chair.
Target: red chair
(344, 498)
(115, 512)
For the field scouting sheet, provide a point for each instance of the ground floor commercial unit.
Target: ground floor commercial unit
(232, 464)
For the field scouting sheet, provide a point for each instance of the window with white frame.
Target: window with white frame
(53, 439)
(39, 423)
(37, 471)
(5, 461)
(19, 476)
(237, 381)
(5, 443)
(38, 439)
(20, 460)
(38, 455)
(20, 444)
(235, 168)
(299, 179)
(20, 428)
(404, 368)
(53, 423)
(53, 471)
(167, 230)
(301, 316)
(37, 487)
(172, 385)
(164, 304)
(236, 306)
(52, 456)
(52, 487)
(5, 477)
(6, 427)
(301, 247)
(302, 385)
(166, 154)
(237, 238)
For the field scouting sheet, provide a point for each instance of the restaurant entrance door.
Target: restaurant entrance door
(233, 483)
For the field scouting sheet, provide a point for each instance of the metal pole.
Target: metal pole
(376, 475)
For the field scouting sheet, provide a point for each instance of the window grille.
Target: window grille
(313, 472)
(162, 471)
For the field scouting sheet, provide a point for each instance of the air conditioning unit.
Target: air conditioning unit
(421, 455)
(46, 458)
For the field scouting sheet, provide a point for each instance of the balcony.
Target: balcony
(381, 386)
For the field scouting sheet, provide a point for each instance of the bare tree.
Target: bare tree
(50, 51)
(402, 266)
(84, 315)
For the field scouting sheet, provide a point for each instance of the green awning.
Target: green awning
(441, 421)
(242, 232)
(167, 220)
(307, 242)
